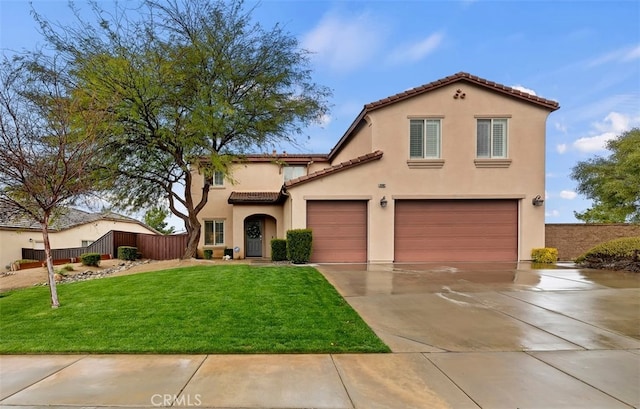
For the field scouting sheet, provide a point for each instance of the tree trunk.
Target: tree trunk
(49, 258)
(193, 231)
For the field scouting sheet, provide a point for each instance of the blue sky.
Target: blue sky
(583, 54)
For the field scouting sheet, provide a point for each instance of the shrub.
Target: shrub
(625, 249)
(127, 253)
(90, 259)
(208, 254)
(25, 261)
(67, 267)
(299, 245)
(544, 255)
(278, 250)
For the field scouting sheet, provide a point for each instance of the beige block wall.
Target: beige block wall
(572, 240)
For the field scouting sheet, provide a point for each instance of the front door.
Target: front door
(253, 234)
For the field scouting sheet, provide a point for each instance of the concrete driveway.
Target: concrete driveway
(507, 335)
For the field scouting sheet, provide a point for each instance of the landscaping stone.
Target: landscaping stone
(92, 275)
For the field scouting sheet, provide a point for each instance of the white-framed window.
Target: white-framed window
(214, 232)
(425, 138)
(87, 243)
(491, 138)
(292, 172)
(217, 180)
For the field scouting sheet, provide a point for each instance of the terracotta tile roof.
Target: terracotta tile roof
(461, 76)
(285, 157)
(335, 169)
(256, 198)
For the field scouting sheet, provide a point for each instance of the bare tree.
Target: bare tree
(46, 162)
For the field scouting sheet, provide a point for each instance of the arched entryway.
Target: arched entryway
(259, 229)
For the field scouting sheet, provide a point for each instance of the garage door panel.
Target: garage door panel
(339, 231)
(456, 230)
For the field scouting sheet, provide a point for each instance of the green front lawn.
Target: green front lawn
(213, 309)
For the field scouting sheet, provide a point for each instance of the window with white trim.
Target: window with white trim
(214, 232)
(424, 139)
(292, 172)
(217, 179)
(491, 138)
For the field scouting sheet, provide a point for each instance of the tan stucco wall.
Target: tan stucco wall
(262, 177)
(387, 129)
(359, 146)
(12, 242)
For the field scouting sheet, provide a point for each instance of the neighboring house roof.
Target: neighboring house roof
(256, 198)
(461, 76)
(360, 160)
(285, 157)
(70, 218)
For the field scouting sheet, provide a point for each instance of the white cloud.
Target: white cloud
(561, 148)
(324, 120)
(524, 89)
(552, 213)
(417, 51)
(613, 125)
(593, 143)
(624, 54)
(343, 43)
(560, 127)
(633, 54)
(568, 194)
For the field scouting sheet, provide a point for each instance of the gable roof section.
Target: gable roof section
(360, 160)
(70, 218)
(461, 76)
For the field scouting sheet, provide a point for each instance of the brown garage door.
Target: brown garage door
(339, 231)
(456, 230)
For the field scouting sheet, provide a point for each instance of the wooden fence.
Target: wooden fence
(151, 246)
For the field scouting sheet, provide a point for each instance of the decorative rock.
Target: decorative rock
(91, 275)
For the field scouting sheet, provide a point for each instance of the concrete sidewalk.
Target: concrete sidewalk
(564, 379)
(491, 336)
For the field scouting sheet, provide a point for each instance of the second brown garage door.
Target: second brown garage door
(456, 230)
(339, 231)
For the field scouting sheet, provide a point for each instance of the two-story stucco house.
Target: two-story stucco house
(448, 171)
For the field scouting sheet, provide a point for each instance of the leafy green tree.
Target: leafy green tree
(155, 218)
(613, 183)
(48, 159)
(186, 85)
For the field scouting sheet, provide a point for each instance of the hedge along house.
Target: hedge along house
(453, 170)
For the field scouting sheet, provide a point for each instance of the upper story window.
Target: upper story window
(492, 138)
(217, 179)
(292, 172)
(424, 139)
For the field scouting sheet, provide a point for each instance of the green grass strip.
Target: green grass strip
(209, 310)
